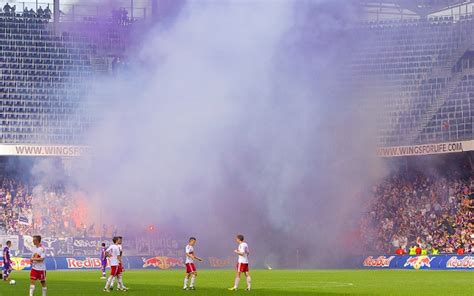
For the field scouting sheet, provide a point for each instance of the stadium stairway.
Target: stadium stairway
(443, 71)
(434, 108)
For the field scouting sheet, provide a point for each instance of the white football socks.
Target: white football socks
(185, 282)
(120, 282)
(236, 282)
(109, 281)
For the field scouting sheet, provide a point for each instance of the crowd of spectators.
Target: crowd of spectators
(53, 211)
(15, 202)
(10, 10)
(119, 16)
(422, 213)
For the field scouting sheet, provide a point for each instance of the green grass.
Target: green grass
(265, 282)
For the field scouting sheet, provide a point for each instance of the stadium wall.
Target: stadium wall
(439, 262)
(427, 262)
(130, 262)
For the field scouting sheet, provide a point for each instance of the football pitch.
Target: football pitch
(265, 282)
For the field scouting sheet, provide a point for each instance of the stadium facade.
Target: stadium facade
(419, 54)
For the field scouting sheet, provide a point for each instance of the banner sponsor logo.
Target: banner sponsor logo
(451, 147)
(162, 262)
(381, 261)
(19, 263)
(87, 263)
(465, 262)
(424, 262)
(220, 263)
(44, 150)
(418, 262)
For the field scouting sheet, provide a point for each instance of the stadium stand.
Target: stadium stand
(45, 72)
(418, 59)
(41, 81)
(423, 207)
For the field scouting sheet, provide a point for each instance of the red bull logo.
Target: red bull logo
(465, 262)
(19, 263)
(381, 261)
(418, 262)
(162, 262)
(88, 263)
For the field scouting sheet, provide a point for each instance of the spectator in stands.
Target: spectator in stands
(123, 16)
(400, 251)
(47, 13)
(7, 9)
(40, 12)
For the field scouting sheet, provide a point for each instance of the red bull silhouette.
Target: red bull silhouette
(418, 262)
(162, 262)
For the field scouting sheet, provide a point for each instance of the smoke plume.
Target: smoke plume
(240, 117)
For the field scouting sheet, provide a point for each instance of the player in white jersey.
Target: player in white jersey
(38, 266)
(191, 271)
(113, 253)
(120, 285)
(243, 263)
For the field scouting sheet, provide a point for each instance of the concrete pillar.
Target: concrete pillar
(56, 16)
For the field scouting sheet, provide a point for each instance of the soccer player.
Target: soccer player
(38, 267)
(103, 260)
(191, 271)
(7, 262)
(1, 273)
(113, 253)
(120, 285)
(243, 263)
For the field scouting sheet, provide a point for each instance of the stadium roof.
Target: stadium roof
(421, 7)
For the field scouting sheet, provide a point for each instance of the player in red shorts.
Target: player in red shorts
(38, 267)
(243, 263)
(191, 271)
(120, 285)
(113, 253)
